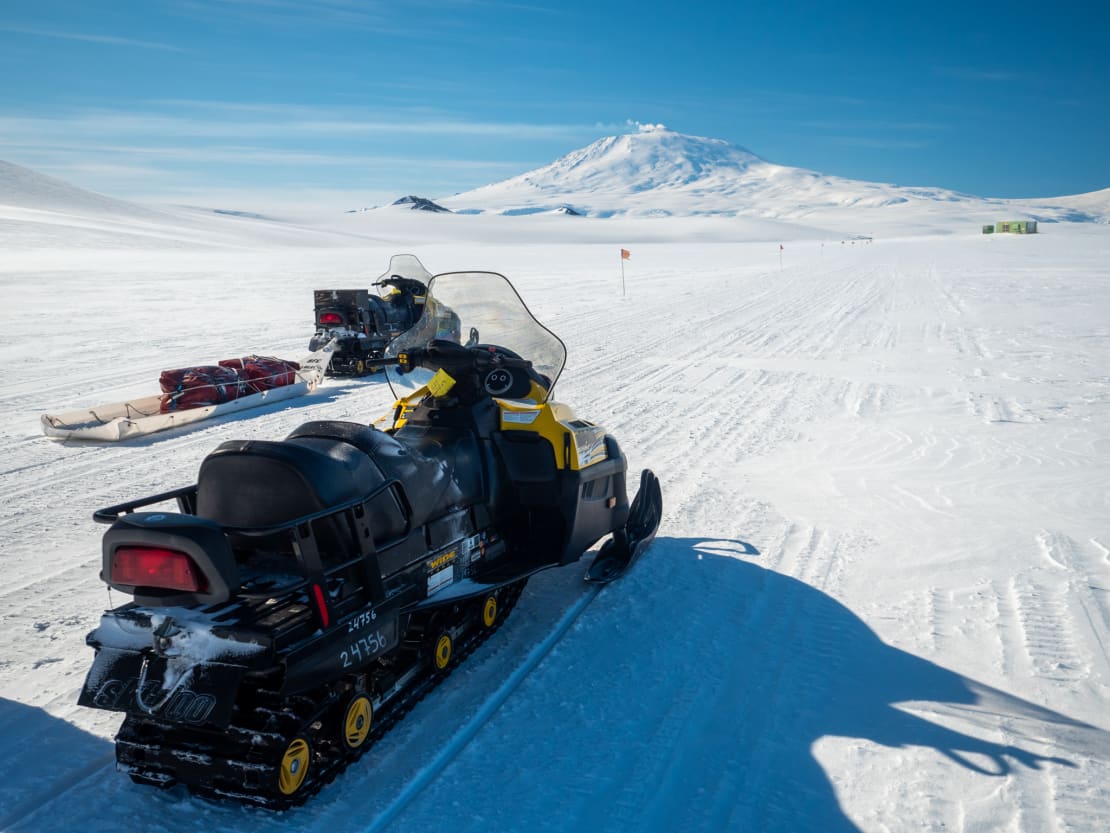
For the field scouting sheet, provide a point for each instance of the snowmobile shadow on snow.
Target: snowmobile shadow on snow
(43, 756)
(763, 666)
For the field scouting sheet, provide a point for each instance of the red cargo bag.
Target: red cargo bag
(197, 387)
(263, 372)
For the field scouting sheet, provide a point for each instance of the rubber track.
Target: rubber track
(329, 759)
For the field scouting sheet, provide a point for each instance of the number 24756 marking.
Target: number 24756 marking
(361, 620)
(364, 649)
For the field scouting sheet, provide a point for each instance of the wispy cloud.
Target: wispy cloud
(878, 125)
(877, 134)
(368, 15)
(797, 100)
(110, 40)
(378, 15)
(877, 142)
(972, 74)
(401, 18)
(273, 122)
(422, 24)
(146, 159)
(166, 147)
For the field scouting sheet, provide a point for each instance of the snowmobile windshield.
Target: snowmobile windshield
(405, 266)
(477, 308)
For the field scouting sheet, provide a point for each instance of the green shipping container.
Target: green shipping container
(1016, 227)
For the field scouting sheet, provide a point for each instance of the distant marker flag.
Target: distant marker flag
(625, 254)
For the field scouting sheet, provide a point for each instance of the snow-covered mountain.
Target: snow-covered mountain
(653, 172)
(659, 172)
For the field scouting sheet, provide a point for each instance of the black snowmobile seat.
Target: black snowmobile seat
(252, 484)
(439, 472)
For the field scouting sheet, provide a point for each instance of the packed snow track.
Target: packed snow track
(877, 600)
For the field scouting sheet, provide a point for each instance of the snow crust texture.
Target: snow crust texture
(877, 601)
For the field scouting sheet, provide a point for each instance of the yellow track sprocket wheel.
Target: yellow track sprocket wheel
(294, 766)
(357, 720)
(441, 655)
(489, 611)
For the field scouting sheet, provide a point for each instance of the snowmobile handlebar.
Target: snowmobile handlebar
(480, 370)
(403, 284)
(456, 358)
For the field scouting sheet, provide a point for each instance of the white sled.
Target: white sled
(139, 417)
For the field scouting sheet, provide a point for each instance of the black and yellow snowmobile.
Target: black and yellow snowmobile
(359, 325)
(307, 592)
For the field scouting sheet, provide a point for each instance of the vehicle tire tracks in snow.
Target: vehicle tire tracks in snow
(466, 733)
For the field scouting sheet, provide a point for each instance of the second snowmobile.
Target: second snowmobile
(362, 324)
(305, 593)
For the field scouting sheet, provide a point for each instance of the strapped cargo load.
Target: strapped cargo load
(193, 394)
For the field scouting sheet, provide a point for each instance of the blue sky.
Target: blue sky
(355, 103)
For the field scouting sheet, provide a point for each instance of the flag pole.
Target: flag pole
(623, 294)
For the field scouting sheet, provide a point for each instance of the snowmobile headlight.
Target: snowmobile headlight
(157, 567)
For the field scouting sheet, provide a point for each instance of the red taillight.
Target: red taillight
(331, 318)
(321, 604)
(156, 567)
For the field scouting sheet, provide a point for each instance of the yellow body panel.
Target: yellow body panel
(401, 410)
(577, 444)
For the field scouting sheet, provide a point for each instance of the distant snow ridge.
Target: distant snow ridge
(420, 204)
(23, 188)
(40, 212)
(1093, 207)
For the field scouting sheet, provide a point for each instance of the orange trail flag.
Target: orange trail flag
(625, 254)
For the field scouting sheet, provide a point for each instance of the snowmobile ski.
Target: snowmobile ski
(621, 551)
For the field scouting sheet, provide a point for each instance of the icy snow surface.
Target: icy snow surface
(878, 600)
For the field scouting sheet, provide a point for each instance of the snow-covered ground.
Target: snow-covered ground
(880, 593)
